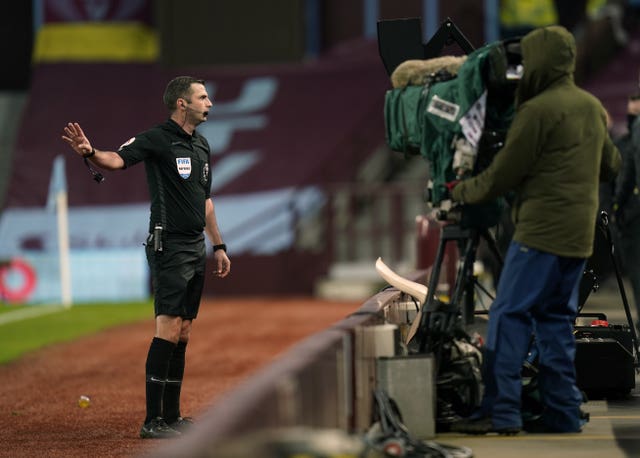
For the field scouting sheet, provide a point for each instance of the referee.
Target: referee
(176, 161)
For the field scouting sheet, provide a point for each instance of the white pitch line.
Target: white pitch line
(29, 312)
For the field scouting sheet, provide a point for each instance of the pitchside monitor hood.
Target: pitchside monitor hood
(401, 39)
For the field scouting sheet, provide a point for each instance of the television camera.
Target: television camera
(454, 111)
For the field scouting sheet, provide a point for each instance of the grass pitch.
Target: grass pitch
(29, 333)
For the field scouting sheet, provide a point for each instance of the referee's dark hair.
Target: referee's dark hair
(178, 88)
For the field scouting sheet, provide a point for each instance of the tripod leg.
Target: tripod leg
(604, 219)
(464, 289)
(422, 333)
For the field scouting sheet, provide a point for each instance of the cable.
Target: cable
(97, 176)
(390, 434)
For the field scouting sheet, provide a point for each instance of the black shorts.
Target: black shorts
(177, 276)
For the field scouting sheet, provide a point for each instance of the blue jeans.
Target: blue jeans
(537, 294)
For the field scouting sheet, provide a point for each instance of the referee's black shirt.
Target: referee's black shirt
(178, 176)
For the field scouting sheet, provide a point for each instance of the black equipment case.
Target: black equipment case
(606, 354)
(605, 363)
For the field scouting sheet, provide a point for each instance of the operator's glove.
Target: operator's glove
(450, 185)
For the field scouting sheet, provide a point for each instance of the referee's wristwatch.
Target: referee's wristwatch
(222, 246)
(89, 154)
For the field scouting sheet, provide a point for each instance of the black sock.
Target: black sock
(171, 399)
(157, 367)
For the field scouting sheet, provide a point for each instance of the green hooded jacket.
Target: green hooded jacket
(556, 152)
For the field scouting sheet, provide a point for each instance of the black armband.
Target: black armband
(222, 246)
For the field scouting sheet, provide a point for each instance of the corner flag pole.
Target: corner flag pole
(58, 190)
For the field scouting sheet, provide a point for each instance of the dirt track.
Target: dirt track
(232, 338)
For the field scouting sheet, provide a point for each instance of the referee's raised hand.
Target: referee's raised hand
(76, 138)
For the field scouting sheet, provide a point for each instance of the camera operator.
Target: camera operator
(556, 152)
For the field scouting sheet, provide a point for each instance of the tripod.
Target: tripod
(438, 317)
